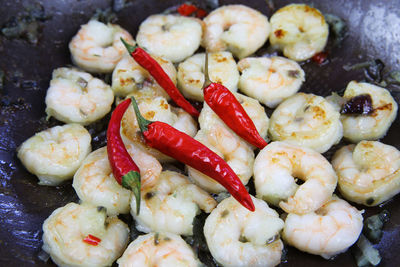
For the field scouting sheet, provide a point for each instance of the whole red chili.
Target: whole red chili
(162, 78)
(231, 112)
(191, 152)
(124, 169)
(92, 240)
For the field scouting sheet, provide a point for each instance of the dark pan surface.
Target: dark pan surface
(374, 32)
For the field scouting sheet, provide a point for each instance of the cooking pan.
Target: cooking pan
(373, 31)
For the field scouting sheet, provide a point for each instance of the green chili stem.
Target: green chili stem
(143, 123)
(130, 48)
(131, 181)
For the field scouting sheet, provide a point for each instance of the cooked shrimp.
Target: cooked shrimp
(170, 36)
(222, 69)
(270, 80)
(55, 154)
(222, 140)
(76, 96)
(128, 76)
(306, 120)
(67, 227)
(300, 31)
(156, 249)
(330, 230)
(94, 182)
(275, 171)
(369, 172)
(375, 125)
(237, 28)
(155, 108)
(97, 47)
(237, 237)
(171, 205)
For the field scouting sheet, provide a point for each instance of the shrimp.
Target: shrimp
(170, 36)
(222, 69)
(171, 205)
(299, 30)
(66, 228)
(237, 237)
(270, 80)
(369, 172)
(97, 47)
(237, 28)
(306, 120)
(374, 125)
(330, 230)
(155, 108)
(55, 154)
(76, 96)
(95, 183)
(278, 165)
(222, 140)
(128, 76)
(159, 249)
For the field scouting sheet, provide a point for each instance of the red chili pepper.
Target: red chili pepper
(92, 240)
(124, 169)
(191, 152)
(162, 78)
(187, 9)
(320, 57)
(201, 13)
(228, 108)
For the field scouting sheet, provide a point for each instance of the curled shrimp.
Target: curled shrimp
(299, 30)
(55, 154)
(237, 28)
(94, 182)
(128, 77)
(155, 108)
(170, 36)
(306, 120)
(171, 205)
(75, 96)
(270, 80)
(222, 69)
(275, 169)
(222, 140)
(372, 126)
(159, 249)
(66, 228)
(369, 172)
(330, 230)
(97, 47)
(237, 237)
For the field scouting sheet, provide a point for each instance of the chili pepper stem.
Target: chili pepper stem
(131, 181)
(207, 80)
(130, 48)
(143, 123)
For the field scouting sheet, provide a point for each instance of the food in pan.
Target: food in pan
(241, 230)
(299, 30)
(83, 235)
(368, 172)
(274, 169)
(77, 97)
(270, 80)
(306, 120)
(97, 46)
(55, 154)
